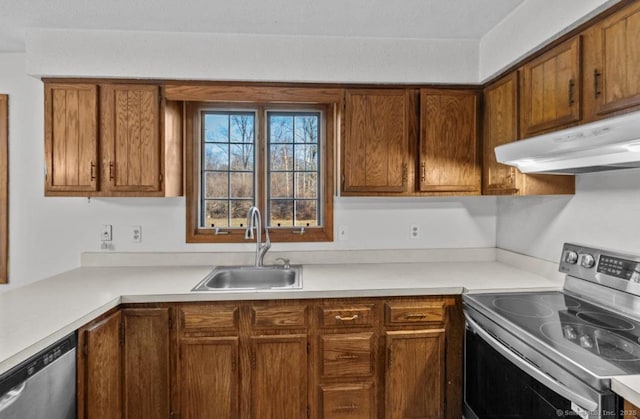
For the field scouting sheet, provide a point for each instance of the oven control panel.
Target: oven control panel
(599, 265)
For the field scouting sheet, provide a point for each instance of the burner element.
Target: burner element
(522, 307)
(604, 320)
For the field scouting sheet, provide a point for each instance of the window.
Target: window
(278, 157)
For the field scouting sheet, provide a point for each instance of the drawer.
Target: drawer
(347, 355)
(199, 318)
(348, 315)
(414, 312)
(279, 316)
(348, 401)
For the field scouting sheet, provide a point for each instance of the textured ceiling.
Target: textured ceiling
(419, 19)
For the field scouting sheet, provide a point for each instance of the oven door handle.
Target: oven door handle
(534, 372)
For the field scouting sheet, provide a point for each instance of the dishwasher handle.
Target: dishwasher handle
(12, 396)
(534, 372)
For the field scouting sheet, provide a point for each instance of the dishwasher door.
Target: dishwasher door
(43, 387)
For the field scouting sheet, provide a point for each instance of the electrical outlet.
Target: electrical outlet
(136, 234)
(105, 234)
(343, 233)
(415, 231)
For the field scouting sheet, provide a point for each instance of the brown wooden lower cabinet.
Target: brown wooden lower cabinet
(631, 411)
(353, 358)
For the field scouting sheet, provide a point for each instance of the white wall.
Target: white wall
(604, 212)
(530, 25)
(47, 235)
(197, 56)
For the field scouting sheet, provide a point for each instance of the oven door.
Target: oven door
(500, 383)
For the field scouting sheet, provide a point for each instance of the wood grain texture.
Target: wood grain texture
(209, 378)
(552, 85)
(146, 363)
(278, 376)
(102, 368)
(376, 144)
(4, 189)
(347, 355)
(246, 93)
(348, 401)
(449, 141)
(631, 411)
(415, 376)
(71, 138)
(278, 316)
(207, 317)
(173, 143)
(414, 312)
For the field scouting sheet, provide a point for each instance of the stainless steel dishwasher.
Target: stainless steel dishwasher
(43, 386)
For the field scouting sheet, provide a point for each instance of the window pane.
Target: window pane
(242, 157)
(306, 157)
(307, 213)
(281, 185)
(239, 211)
(281, 213)
(242, 128)
(241, 185)
(280, 129)
(306, 129)
(216, 157)
(306, 185)
(217, 185)
(281, 157)
(216, 214)
(216, 127)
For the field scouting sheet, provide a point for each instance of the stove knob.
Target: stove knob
(571, 257)
(588, 261)
(635, 276)
(586, 342)
(569, 332)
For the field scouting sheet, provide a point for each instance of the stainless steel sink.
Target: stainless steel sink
(251, 277)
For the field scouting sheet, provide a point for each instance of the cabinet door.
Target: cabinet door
(615, 75)
(449, 160)
(208, 377)
(278, 377)
(100, 370)
(376, 145)
(415, 375)
(500, 127)
(146, 363)
(71, 137)
(130, 138)
(552, 89)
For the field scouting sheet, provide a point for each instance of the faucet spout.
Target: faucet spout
(254, 221)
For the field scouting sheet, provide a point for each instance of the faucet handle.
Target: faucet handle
(285, 262)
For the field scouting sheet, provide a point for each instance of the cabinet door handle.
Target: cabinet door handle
(93, 171)
(347, 356)
(347, 318)
(596, 82)
(424, 172)
(351, 406)
(405, 174)
(415, 316)
(572, 84)
(112, 170)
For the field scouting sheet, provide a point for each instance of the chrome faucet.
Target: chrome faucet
(254, 221)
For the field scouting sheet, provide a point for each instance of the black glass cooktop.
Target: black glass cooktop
(599, 340)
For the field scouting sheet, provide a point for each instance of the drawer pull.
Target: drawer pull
(347, 356)
(347, 318)
(416, 316)
(351, 406)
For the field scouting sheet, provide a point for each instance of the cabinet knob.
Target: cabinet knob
(596, 83)
(572, 85)
(93, 171)
(347, 318)
(112, 170)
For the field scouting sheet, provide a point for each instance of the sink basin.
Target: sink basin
(251, 277)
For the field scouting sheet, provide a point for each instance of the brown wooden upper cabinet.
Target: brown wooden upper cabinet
(501, 127)
(376, 147)
(449, 153)
(105, 140)
(551, 89)
(612, 78)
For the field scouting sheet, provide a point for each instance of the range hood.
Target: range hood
(609, 144)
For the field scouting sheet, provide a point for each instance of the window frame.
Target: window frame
(328, 129)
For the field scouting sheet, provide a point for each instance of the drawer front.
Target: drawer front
(207, 317)
(345, 316)
(348, 401)
(347, 355)
(414, 312)
(276, 316)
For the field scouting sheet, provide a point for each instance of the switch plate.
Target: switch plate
(414, 232)
(105, 234)
(136, 234)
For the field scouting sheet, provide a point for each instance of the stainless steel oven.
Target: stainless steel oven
(552, 354)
